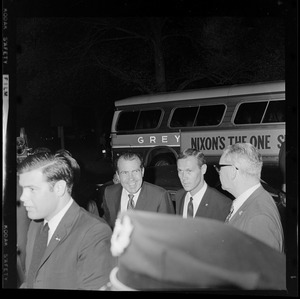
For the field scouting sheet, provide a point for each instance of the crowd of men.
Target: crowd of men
(145, 240)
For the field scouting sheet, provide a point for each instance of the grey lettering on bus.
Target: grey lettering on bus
(158, 139)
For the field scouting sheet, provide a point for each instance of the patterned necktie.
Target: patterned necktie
(190, 209)
(130, 205)
(39, 248)
(230, 213)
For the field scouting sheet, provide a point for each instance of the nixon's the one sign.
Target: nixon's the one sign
(268, 142)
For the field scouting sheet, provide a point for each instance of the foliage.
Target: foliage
(161, 54)
(94, 61)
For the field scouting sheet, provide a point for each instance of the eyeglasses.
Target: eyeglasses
(219, 166)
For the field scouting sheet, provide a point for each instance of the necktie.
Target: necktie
(190, 209)
(130, 205)
(39, 248)
(230, 213)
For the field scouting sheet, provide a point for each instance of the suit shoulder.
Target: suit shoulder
(179, 193)
(91, 219)
(91, 228)
(262, 197)
(113, 187)
(219, 194)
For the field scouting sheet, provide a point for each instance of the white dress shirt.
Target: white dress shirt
(196, 200)
(54, 222)
(237, 203)
(125, 199)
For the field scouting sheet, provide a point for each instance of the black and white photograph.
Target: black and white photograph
(150, 146)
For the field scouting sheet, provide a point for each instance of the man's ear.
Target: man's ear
(60, 187)
(204, 168)
(143, 170)
(233, 173)
(118, 177)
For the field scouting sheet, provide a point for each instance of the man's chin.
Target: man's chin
(133, 189)
(187, 188)
(32, 216)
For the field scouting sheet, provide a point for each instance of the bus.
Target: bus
(159, 125)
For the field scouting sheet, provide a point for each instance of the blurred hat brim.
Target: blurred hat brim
(117, 285)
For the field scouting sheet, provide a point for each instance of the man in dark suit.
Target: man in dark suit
(254, 210)
(76, 252)
(197, 199)
(132, 192)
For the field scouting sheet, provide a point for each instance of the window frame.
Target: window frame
(162, 112)
(196, 116)
(245, 102)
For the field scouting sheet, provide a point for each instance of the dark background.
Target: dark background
(70, 60)
(71, 67)
(73, 64)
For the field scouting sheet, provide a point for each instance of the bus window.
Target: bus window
(275, 112)
(149, 119)
(210, 115)
(250, 113)
(183, 117)
(127, 120)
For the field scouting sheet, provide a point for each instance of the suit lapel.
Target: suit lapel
(181, 203)
(113, 202)
(62, 230)
(204, 204)
(117, 202)
(141, 200)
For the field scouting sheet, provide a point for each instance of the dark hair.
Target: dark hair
(58, 166)
(129, 156)
(191, 152)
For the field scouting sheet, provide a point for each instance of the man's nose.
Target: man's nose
(131, 175)
(183, 174)
(23, 196)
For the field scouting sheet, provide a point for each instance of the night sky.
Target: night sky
(65, 58)
(60, 61)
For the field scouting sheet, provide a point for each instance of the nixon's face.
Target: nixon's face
(130, 174)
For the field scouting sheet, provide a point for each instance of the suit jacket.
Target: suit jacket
(258, 216)
(78, 255)
(152, 198)
(214, 204)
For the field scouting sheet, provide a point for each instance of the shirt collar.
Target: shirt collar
(124, 198)
(196, 199)
(136, 195)
(237, 203)
(54, 221)
(199, 194)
